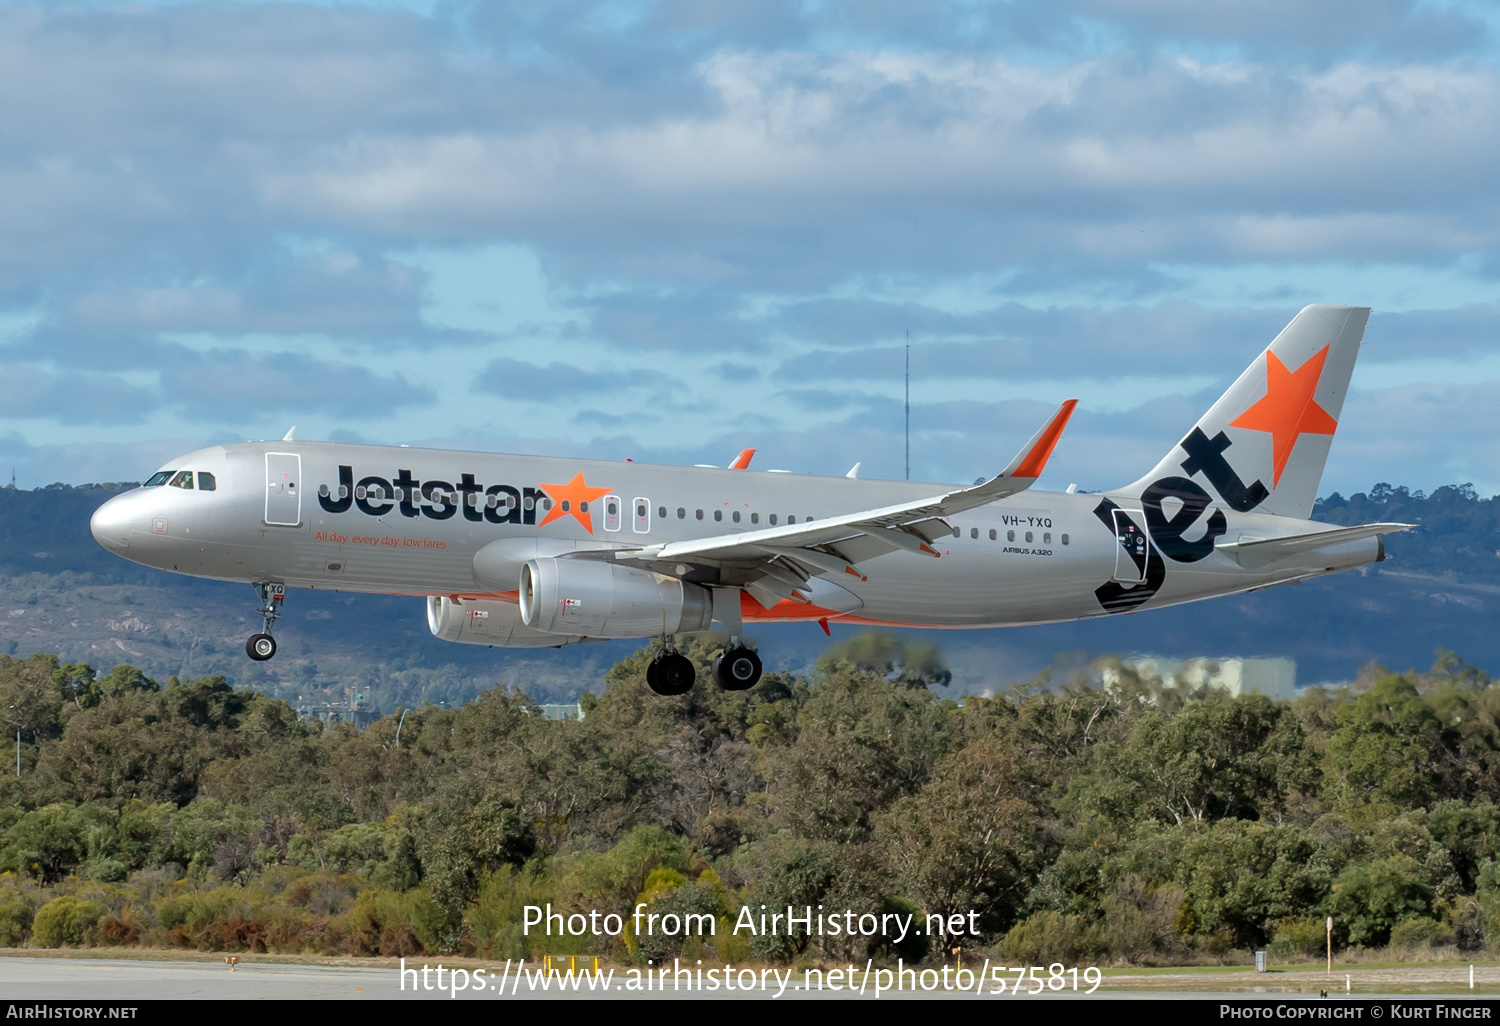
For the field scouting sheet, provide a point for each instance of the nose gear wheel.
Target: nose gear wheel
(262, 646)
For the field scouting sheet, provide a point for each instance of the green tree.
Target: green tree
(51, 842)
(908, 662)
(1390, 750)
(1370, 899)
(862, 742)
(66, 920)
(970, 839)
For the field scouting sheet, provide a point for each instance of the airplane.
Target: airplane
(529, 551)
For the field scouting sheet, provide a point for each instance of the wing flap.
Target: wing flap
(911, 526)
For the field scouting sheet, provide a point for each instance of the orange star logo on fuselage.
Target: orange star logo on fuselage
(572, 500)
(1287, 410)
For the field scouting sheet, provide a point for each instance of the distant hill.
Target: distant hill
(63, 593)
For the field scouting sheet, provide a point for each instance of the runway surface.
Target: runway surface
(119, 979)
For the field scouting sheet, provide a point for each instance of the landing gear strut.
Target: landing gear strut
(737, 668)
(262, 646)
(671, 672)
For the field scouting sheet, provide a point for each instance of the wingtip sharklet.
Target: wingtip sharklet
(1032, 460)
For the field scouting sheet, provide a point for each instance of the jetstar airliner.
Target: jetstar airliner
(527, 551)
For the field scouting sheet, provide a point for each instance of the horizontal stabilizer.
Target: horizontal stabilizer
(1261, 550)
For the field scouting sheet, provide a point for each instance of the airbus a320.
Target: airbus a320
(528, 551)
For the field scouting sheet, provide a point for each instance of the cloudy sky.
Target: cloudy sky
(670, 230)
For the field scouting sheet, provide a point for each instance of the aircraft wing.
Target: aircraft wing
(775, 561)
(1265, 549)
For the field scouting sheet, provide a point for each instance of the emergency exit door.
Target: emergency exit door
(1134, 546)
(283, 489)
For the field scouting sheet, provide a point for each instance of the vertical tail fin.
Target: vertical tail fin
(1263, 444)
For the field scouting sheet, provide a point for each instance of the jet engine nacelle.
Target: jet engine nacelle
(487, 622)
(606, 600)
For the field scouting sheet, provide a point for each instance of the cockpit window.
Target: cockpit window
(184, 479)
(161, 477)
(206, 482)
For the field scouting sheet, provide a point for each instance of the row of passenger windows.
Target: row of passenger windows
(643, 519)
(613, 505)
(1010, 536)
(182, 479)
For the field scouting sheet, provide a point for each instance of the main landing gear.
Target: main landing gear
(262, 646)
(671, 672)
(737, 668)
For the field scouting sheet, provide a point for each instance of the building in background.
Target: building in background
(356, 709)
(1274, 677)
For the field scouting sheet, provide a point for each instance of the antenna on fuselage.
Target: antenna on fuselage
(908, 404)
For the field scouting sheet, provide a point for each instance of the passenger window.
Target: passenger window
(755, 518)
(973, 532)
(206, 482)
(958, 532)
(1065, 539)
(611, 512)
(642, 515)
(161, 477)
(1047, 538)
(681, 513)
(736, 516)
(772, 519)
(992, 534)
(1028, 536)
(1010, 536)
(718, 514)
(790, 520)
(699, 514)
(662, 512)
(184, 479)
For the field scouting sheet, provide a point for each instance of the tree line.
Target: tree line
(1081, 821)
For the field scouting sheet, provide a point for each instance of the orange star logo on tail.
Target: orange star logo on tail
(1287, 411)
(572, 499)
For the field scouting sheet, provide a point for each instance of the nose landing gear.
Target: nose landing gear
(671, 672)
(262, 646)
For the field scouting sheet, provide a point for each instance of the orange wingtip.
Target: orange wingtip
(1041, 452)
(742, 461)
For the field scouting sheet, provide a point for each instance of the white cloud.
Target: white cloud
(1115, 199)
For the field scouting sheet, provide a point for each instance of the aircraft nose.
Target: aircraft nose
(111, 524)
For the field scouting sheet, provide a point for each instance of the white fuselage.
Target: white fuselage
(324, 515)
